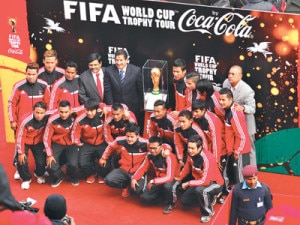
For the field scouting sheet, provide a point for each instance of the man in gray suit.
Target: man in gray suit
(123, 84)
(243, 94)
(91, 83)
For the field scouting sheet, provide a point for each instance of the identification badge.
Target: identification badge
(260, 204)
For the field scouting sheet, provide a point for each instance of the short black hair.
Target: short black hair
(64, 103)
(132, 127)
(180, 63)
(186, 113)
(160, 102)
(122, 52)
(94, 56)
(226, 91)
(204, 85)
(155, 139)
(40, 105)
(196, 139)
(91, 104)
(117, 106)
(71, 64)
(198, 104)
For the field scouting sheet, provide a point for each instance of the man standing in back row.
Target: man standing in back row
(123, 84)
(243, 96)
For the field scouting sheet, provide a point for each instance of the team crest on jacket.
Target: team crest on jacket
(140, 150)
(30, 128)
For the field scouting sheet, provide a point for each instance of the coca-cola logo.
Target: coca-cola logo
(15, 51)
(230, 23)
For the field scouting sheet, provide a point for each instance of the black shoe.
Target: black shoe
(168, 209)
(57, 182)
(74, 181)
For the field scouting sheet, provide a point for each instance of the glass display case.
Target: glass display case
(155, 82)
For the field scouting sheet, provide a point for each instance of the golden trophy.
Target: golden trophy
(155, 77)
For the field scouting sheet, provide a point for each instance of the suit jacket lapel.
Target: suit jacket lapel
(93, 84)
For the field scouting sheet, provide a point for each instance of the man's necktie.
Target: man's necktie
(99, 86)
(122, 76)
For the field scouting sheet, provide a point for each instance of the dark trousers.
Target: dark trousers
(235, 167)
(39, 156)
(88, 160)
(71, 153)
(166, 190)
(118, 178)
(201, 195)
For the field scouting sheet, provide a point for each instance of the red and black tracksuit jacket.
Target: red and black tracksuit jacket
(64, 89)
(181, 139)
(23, 97)
(132, 156)
(204, 169)
(114, 129)
(165, 167)
(31, 131)
(51, 77)
(87, 130)
(236, 132)
(179, 87)
(164, 128)
(58, 131)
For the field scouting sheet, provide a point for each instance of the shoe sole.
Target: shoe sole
(56, 185)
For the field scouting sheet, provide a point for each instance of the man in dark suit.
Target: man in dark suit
(91, 83)
(123, 84)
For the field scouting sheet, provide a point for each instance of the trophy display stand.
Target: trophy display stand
(155, 82)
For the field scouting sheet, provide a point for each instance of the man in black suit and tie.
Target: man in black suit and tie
(91, 84)
(123, 83)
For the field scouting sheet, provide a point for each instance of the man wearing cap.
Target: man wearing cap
(251, 199)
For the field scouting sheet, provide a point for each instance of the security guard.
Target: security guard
(251, 199)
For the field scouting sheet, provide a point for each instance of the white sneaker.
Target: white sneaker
(26, 185)
(17, 175)
(205, 219)
(39, 180)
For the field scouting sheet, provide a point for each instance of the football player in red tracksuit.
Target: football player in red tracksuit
(50, 72)
(66, 88)
(162, 123)
(207, 181)
(191, 92)
(211, 97)
(237, 138)
(214, 131)
(179, 71)
(132, 150)
(182, 133)
(165, 165)
(57, 140)
(115, 124)
(30, 136)
(24, 95)
(88, 135)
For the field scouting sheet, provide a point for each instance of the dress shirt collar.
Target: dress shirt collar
(245, 186)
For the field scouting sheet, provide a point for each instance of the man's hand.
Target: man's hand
(102, 162)
(185, 185)
(134, 183)
(49, 161)
(150, 185)
(21, 159)
(238, 107)
(13, 125)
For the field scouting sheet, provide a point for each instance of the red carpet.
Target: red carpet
(96, 204)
